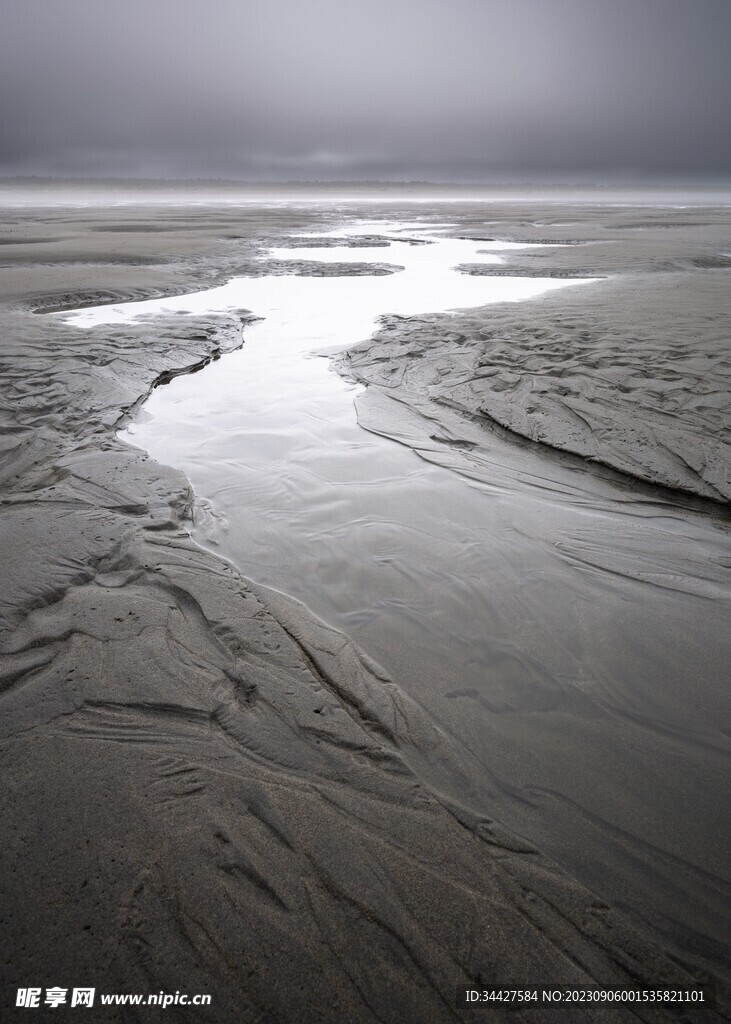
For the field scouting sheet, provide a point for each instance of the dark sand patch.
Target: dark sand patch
(352, 242)
(311, 268)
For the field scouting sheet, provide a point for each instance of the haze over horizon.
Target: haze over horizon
(539, 91)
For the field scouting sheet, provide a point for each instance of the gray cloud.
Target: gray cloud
(343, 89)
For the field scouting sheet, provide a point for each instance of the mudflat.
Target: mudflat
(208, 787)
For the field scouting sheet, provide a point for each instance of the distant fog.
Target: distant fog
(470, 90)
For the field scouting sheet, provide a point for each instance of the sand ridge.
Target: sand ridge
(633, 372)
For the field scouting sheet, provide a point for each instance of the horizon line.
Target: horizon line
(355, 183)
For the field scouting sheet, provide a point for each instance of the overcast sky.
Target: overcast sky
(441, 90)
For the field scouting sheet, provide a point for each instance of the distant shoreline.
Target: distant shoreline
(37, 191)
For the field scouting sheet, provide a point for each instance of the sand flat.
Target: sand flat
(207, 782)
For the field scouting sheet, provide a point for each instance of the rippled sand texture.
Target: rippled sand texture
(541, 616)
(634, 372)
(207, 788)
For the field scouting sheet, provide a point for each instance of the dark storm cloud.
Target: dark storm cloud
(338, 89)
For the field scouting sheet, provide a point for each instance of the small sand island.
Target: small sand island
(349, 665)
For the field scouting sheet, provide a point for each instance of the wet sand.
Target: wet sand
(209, 788)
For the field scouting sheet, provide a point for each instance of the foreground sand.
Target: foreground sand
(207, 788)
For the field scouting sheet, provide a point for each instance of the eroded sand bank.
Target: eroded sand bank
(208, 787)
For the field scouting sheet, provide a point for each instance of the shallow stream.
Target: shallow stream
(565, 632)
